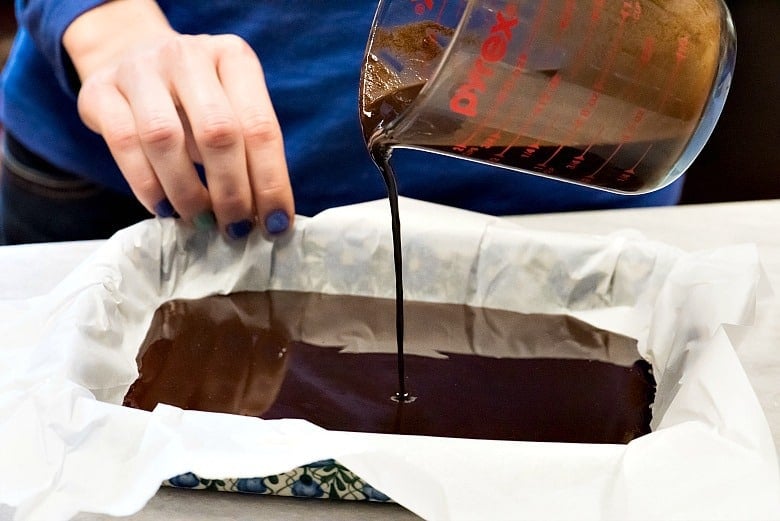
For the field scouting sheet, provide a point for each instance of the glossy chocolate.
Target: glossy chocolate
(475, 373)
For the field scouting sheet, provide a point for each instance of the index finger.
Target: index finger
(242, 78)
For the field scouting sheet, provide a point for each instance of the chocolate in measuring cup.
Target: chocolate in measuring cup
(613, 94)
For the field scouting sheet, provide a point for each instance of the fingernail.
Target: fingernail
(205, 220)
(277, 222)
(165, 209)
(239, 229)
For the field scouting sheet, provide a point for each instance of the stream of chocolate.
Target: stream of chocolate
(571, 110)
(381, 156)
(478, 373)
(417, 42)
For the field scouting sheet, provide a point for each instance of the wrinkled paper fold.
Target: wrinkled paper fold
(68, 358)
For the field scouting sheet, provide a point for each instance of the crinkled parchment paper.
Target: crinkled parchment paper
(68, 358)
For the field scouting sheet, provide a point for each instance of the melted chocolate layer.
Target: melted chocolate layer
(475, 373)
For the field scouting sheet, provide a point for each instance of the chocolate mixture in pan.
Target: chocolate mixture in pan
(475, 373)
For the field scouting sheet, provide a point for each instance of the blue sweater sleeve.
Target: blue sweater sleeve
(46, 21)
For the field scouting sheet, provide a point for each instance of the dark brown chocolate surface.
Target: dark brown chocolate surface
(295, 355)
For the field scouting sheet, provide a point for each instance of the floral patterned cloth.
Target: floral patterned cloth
(322, 479)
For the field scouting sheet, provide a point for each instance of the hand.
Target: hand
(163, 101)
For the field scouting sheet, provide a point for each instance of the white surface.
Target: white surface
(695, 227)
(32, 270)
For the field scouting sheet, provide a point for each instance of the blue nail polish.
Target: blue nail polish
(239, 229)
(277, 222)
(165, 209)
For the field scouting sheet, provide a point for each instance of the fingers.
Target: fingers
(106, 111)
(217, 136)
(161, 136)
(242, 77)
(195, 99)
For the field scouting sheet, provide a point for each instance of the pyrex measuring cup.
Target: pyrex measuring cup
(615, 94)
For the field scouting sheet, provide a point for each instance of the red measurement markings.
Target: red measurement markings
(545, 98)
(645, 55)
(626, 12)
(532, 149)
(578, 61)
(578, 159)
(681, 54)
(441, 11)
(422, 6)
(596, 10)
(595, 15)
(430, 32)
(567, 14)
(631, 172)
(629, 131)
(542, 102)
(542, 167)
(629, 11)
(648, 48)
(467, 97)
(432, 35)
(502, 96)
(631, 127)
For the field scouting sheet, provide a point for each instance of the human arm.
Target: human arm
(163, 100)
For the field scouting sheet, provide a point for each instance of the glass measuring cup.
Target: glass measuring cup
(619, 95)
